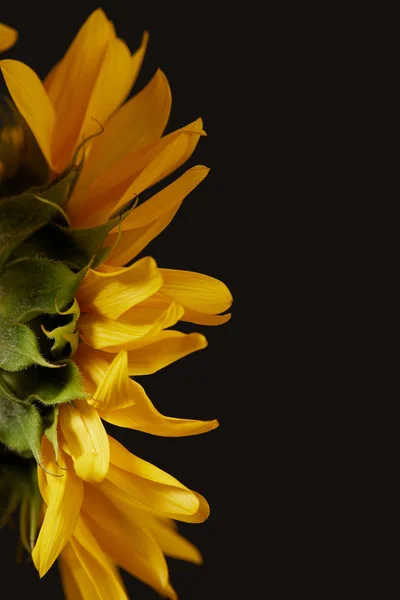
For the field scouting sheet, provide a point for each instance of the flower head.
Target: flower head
(80, 318)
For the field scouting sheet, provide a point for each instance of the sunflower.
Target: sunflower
(80, 318)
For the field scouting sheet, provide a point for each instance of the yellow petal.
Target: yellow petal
(172, 543)
(153, 216)
(64, 498)
(94, 572)
(115, 389)
(71, 85)
(8, 37)
(112, 85)
(165, 200)
(100, 332)
(126, 541)
(32, 101)
(128, 503)
(92, 364)
(148, 485)
(74, 575)
(201, 515)
(137, 123)
(111, 294)
(165, 162)
(196, 291)
(137, 59)
(115, 79)
(151, 421)
(132, 242)
(127, 177)
(67, 570)
(87, 440)
(146, 494)
(199, 318)
(123, 402)
(171, 346)
(148, 419)
(132, 330)
(159, 302)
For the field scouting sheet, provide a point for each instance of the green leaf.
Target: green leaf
(47, 386)
(19, 347)
(33, 286)
(74, 247)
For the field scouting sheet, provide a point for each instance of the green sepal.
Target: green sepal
(24, 163)
(20, 217)
(19, 347)
(74, 247)
(21, 427)
(34, 286)
(49, 387)
(9, 504)
(31, 505)
(10, 145)
(61, 189)
(19, 486)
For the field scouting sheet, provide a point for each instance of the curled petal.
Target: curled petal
(86, 439)
(123, 402)
(111, 294)
(132, 330)
(168, 347)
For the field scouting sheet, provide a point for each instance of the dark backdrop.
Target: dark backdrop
(203, 61)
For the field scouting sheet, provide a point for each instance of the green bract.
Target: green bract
(19, 486)
(43, 260)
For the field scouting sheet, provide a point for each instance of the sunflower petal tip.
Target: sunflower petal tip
(8, 37)
(99, 13)
(151, 263)
(39, 564)
(201, 340)
(205, 169)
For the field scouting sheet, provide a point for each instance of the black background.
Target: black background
(202, 56)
